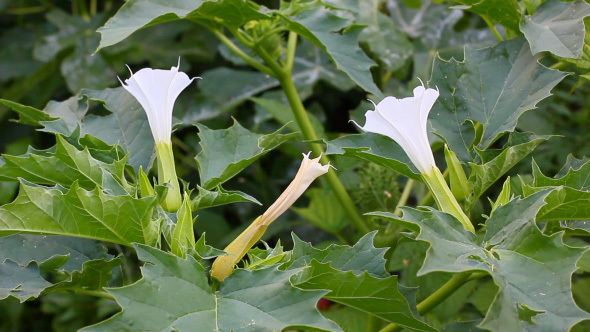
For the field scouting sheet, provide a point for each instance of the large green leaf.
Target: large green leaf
(174, 295)
(226, 152)
(322, 26)
(557, 27)
(505, 12)
(493, 86)
(138, 14)
(364, 292)
(74, 263)
(494, 166)
(362, 257)
(78, 212)
(532, 271)
(65, 166)
(374, 148)
(323, 210)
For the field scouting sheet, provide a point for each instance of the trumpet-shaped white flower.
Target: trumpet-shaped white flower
(156, 90)
(405, 121)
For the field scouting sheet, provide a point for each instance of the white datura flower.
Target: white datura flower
(405, 121)
(156, 90)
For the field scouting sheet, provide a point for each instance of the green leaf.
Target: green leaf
(65, 166)
(532, 271)
(127, 125)
(174, 295)
(557, 27)
(28, 115)
(361, 257)
(374, 148)
(584, 61)
(85, 264)
(379, 297)
(323, 211)
(138, 14)
(226, 152)
(505, 12)
(493, 86)
(206, 198)
(22, 283)
(321, 26)
(388, 44)
(570, 200)
(81, 213)
(519, 146)
(183, 238)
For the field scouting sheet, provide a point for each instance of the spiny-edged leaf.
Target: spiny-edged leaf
(27, 114)
(505, 12)
(94, 275)
(497, 163)
(375, 148)
(174, 295)
(577, 177)
(323, 211)
(207, 198)
(23, 283)
(65, 166)
(138, 14)
(127, 125)
(379, 297)
(50, 252)
(78, 212)
(205, 251)
(226, 152)
(532, 271)
(493, 86)
(322, 26)
(570, 200)
(557, 27)
(363, 256)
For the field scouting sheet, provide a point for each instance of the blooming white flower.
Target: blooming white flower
(309, 170)
(156, 90)
(405, 121)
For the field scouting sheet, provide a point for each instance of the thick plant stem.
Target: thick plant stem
(435, 298)
(444, 197)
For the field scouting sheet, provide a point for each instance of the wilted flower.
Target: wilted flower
(156, 90)
(309, 170)
(405, 121)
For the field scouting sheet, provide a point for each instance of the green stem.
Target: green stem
(493, 28)
(444, 197)
(435, 298)
(249, 60)
(167, 176)
(404, 197)
(309, 134)
(291, 46)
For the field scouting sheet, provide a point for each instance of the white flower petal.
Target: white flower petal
(406, 122)
(156, 90)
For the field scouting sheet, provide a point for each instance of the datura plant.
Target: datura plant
(462, 224)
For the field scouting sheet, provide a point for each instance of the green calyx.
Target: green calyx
(444, 198)
(167, 176)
